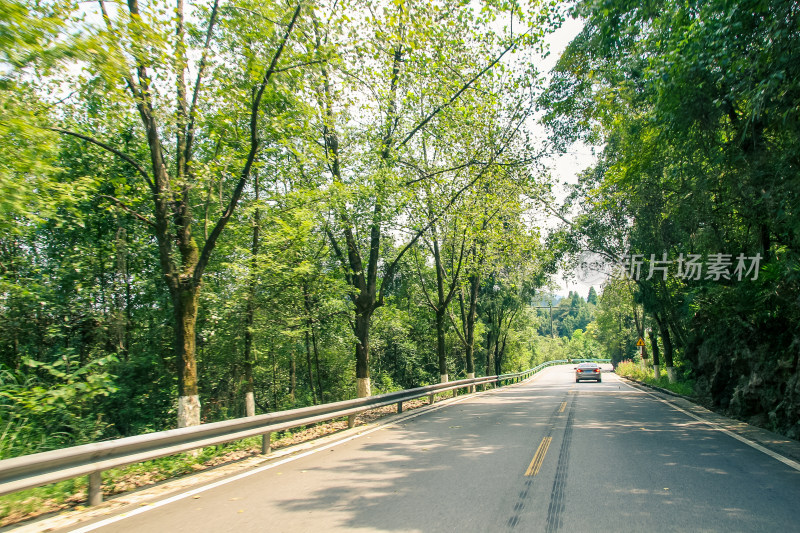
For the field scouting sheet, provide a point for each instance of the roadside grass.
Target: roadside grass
(630, 369)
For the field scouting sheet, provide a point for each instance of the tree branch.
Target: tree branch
(211, 242)
(454, 281)
(200, 74)
(460, 91)
(390, 269)
(307, 63)
(422, 282)
(129, 210)
(456, 327)
(125, 157)
(338, 251)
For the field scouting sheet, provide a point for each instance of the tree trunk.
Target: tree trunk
(249, 358)
(656, 360)
(443, 298)
(489, 351)
(274, 380)
(469, 323)
(440, 344)
(184, 301)
(308, 365)
(121, 313)
(666, 339)
(498, 356)
(316, 364)
(308, 305)
(249, 363)
(362, 323)
(502, 354)
(292, 376)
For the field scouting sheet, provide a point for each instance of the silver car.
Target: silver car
(588, 371)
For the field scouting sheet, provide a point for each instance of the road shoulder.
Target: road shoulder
(773, 442)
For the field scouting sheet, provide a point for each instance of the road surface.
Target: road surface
(547, 455)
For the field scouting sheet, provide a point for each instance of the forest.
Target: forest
(215, 209)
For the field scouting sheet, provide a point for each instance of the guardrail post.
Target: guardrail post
(351, 421)
(430, 398)
(95, 488)
(266, 443)
(399, 407)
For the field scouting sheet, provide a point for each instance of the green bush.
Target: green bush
(46, 406)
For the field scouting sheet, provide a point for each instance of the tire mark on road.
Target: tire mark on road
(556, 508)
(523, 495)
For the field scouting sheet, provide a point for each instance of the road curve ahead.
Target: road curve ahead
(548, 455)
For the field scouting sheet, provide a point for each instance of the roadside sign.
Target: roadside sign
(640, 342)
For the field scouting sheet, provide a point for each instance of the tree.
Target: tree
(592, 297)
(419, 72)
(127, 56)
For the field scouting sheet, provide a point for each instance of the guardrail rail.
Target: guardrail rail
(91, 460)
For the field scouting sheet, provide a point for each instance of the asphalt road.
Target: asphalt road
(549, 455)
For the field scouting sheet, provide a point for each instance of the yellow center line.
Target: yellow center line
(563, 406)
(538, 459)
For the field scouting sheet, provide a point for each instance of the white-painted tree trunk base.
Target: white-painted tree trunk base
(188, 411)
(249, 404)
(363, 387)
(471, 375)
(443, 378)
(657, 371)
(671, 374)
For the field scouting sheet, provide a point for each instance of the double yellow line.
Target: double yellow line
(538, 458)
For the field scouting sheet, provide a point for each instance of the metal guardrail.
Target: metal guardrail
(37, 469)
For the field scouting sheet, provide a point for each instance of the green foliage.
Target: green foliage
(614, 327)
(695, 105)
(550, 349)
(50, 406)
(592, 298)
(569, 314)
(101, 221)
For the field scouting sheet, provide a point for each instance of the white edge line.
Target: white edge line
(184, 495)
(775, 455)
